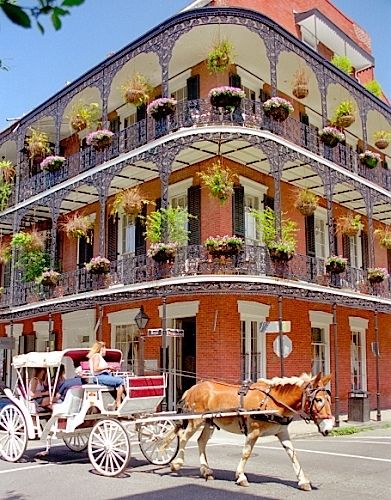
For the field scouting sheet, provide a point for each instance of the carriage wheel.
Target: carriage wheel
(109, 447)
(13, 433)
(77, 442)
(158, 442)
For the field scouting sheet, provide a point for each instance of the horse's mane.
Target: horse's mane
(278, 381)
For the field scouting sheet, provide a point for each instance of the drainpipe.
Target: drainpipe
(377, 355)
(335, 335)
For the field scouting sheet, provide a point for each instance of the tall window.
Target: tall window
(180, 95)
(250, 202)
(321, 249)
(319, 347)
(355, 251)
(356, 361)
(251, 351)
(128, 234)
(127, 341)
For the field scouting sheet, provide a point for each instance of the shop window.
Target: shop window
(319, 351)
(127, 341)
(357, 361)
(251, 350)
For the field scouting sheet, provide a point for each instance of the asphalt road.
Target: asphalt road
(346, 467)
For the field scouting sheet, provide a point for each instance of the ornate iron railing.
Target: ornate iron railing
(199, 113)
(194, 260)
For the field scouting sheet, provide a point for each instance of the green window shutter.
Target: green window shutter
(346, 247)
(268, 202)
(139, 244)
(158, 204)
(310, 235)
(364, 250)
(141, 112)
(194, 208)
(235, 80)
(112, 237)
(193, 87)
(238, 225)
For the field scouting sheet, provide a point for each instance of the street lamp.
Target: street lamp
(141, 319)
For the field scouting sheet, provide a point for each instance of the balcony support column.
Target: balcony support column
(323, 85)
(54, 203)
(363, 112)
(165, 168)
(273, 49)
(368, 198)
(102, 195)
(276, 172)
(328, 191)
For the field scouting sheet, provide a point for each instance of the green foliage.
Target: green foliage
(174, 219)
(220, 181)
(84, 115)
(343, 63)
(22, 16)
(345, 431)
(374, 87)
(343, 109)
(30, 257)
(382, 135)
(266, 224)
(5, 193)
(220, 57)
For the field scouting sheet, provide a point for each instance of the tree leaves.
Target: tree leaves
(22, 16)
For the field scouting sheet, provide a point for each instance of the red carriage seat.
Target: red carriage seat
(141, 387)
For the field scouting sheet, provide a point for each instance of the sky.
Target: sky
(40, 65)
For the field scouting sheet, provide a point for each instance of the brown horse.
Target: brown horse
(305, 396)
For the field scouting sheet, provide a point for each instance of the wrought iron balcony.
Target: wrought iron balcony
(192, 261)
(199, 113)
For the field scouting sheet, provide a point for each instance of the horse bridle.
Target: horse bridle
(308, 401)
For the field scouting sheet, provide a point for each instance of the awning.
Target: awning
(55, 358)
(318, 28)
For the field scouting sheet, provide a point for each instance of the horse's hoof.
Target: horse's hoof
(206, 473)
(175, 467)
(305, 487)
(242, 482)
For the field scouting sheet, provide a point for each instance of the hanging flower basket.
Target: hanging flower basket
(350, 225)
(280, 255)
(137, 90)
(98, 265)
(384, 236)
(220, 181)
(382, 139)
(376, 275)
(220, 57)
(100, 139)
(224, 246)
(300, 91)
(160, 108)
(163, 252)
(345, 121)
(228, 98)
(336, 264)
(48, 278)
(278, 108)
(37, 144)
(331, 136)
(306, 202)
(130, 202)
(369, 159)
(344, 114)
(52, 163)
(77, 226)
(300, 84)
(382, 144)
(84, 115)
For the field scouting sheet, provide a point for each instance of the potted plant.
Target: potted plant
(5, 252)
(98, 265)
(77, 226)
(100, 139)
(224, 246)
(281, 249)
(382, 139)
(7, 171)
(306, 202)
(331, 136)
(369, 158)
(37, 143)
(220, 57)
(350, 225)
(31, 258)
(343, 63)
(129, 201)
(28, 241)
(278, 108)
(48, 278)
(84, 115)
(52, 163)
(336, 264)
(169, 224)
(374, 87)
(228, 98)
(384, 236)
(163, 252)
(137, 90)
(219, 180)
(5, 193)
(376, 275)
(162, 107)
(344, 115)
(300, 84)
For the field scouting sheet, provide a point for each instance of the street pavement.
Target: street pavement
(343, 467)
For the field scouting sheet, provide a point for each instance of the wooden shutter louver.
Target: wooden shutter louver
(364, 250)
(112, 237)
(139, 244)
(310, 235)
(193, 88)
(346, 247)
(235, 80)
(238, 222)
(268, 202)
(194, 209)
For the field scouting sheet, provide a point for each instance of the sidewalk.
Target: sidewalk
(299, 428)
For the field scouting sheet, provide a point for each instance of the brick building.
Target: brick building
(327, 321)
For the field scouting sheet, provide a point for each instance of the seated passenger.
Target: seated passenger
(103, 373)
(38, 388)
(63, 384)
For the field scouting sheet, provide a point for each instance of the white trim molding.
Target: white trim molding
(178, 310)
(320, 319)
(357, 323)
(180, 187)
(360, 325)
(253, 310)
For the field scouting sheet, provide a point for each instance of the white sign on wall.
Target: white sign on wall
(274, 326)
(286, 346)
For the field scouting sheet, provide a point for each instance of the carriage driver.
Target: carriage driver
(103, 373)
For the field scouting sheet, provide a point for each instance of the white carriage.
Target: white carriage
(83, 419)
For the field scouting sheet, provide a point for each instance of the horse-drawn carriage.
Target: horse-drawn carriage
(84, 421)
